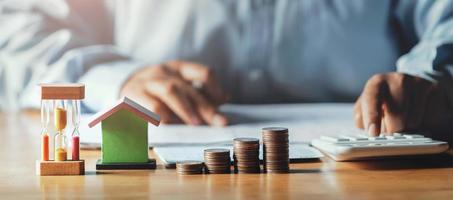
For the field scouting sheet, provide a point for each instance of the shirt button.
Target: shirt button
(255, 74)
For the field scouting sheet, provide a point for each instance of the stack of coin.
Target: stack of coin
(275, 150)
(246, 155)
(189, 167)
(217, 161)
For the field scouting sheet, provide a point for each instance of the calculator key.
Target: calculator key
(354, 138)
(362, 137)
(414, 136)
(378, 138)
(395, 137)
(334, 139)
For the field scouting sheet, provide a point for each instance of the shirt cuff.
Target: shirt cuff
(103, 83)
(419, 62)
(447, 82)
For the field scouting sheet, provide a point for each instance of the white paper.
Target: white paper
(305, 122)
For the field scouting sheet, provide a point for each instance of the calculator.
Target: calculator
(360, 147)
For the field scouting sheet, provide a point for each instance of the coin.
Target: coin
(273, 130)
(246, 155)
(217, 161)
(276, 149)
(246, 140)
(189, 167)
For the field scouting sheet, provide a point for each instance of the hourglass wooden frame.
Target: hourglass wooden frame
(58, 99)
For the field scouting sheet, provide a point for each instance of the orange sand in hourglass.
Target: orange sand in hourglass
(60, 124)
(45, 147)
(60, 119)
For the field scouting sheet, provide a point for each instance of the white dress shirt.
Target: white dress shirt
(262, 51)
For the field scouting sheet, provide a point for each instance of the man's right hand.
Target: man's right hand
(397, 102)
(168, 90)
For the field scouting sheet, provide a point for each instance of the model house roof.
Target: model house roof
(128, 104)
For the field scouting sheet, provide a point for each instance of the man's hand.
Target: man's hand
(395, 102)
(167, 89)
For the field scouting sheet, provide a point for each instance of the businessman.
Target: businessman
(184, 58)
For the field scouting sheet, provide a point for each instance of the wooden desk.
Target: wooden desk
(421, 178)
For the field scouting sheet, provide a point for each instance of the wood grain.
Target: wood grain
(60, 168)
(63, 91)
(410, 178)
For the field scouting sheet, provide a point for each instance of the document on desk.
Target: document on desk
(304, 121)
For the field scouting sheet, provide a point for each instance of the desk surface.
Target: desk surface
(415, 178)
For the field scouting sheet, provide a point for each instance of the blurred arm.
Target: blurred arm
(432, 57)
(61, 41)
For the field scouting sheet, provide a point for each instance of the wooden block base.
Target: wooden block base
(151, 164)
(60, 168)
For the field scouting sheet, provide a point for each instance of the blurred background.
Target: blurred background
(260, 51)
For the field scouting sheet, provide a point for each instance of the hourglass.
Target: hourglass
(62, 102)
(60, 118)
(45, 120)
(75, 136)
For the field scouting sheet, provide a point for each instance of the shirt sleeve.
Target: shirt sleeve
(104, 82)
(432, 57)
(51, 41)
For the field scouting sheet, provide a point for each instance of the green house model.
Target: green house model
(125, 135)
